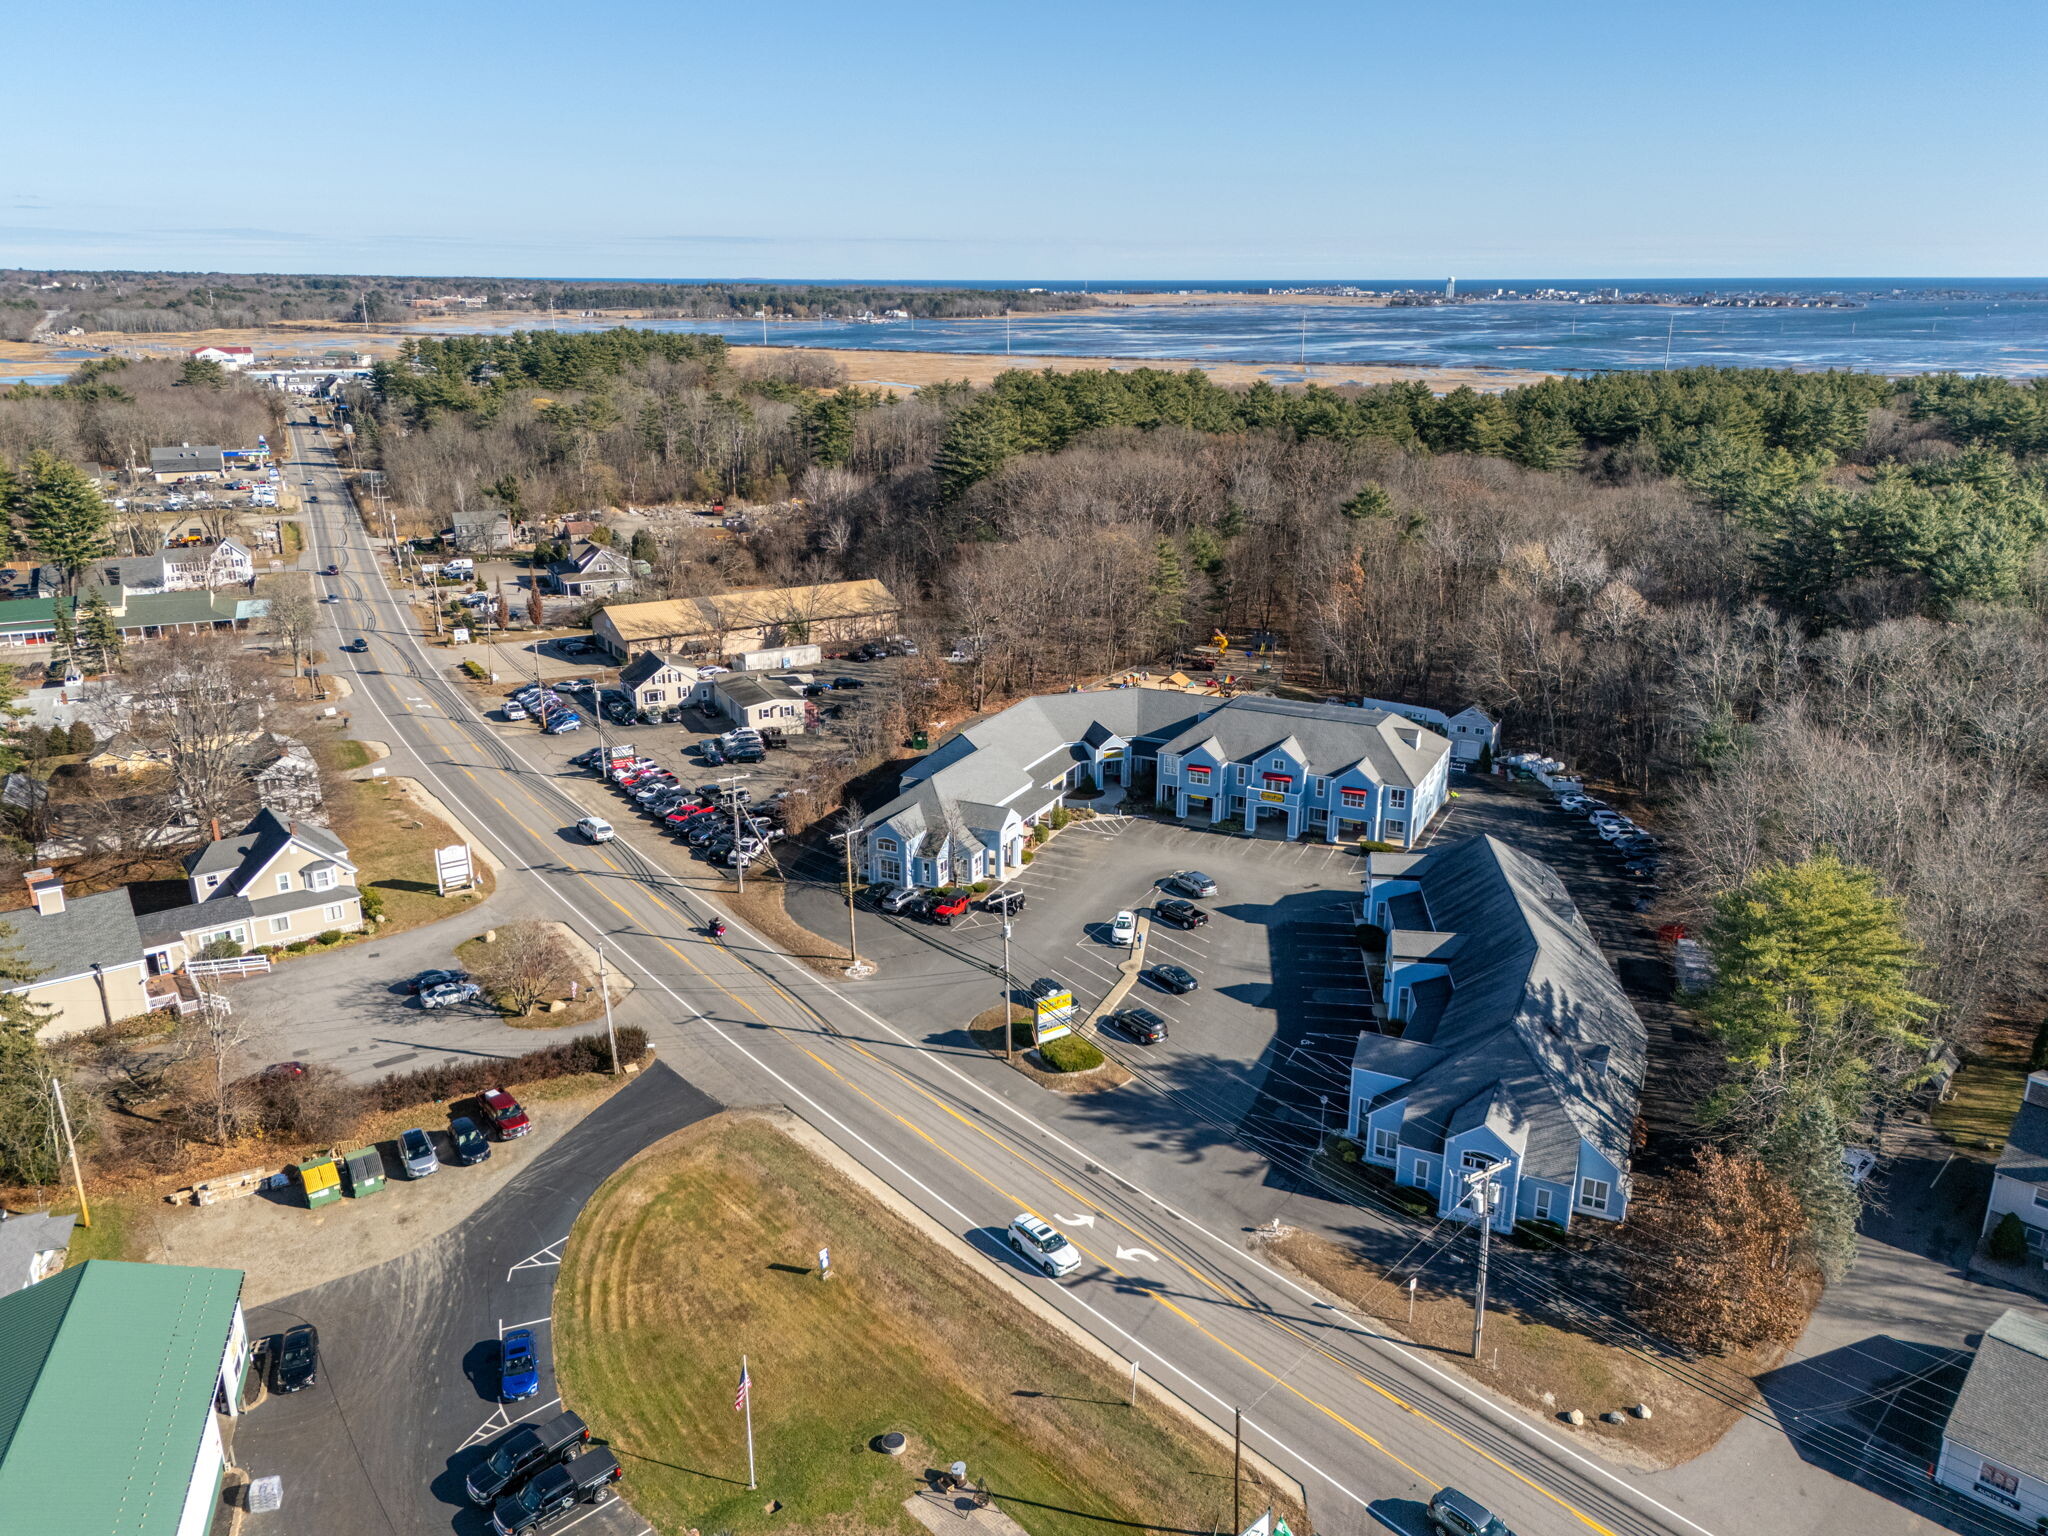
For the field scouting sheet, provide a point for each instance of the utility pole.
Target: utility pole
(1009, 1029)
(1236, 1469)
(852, 941)
(77, 1178)
(731, 783)
(604, 987)
(1482, 1178)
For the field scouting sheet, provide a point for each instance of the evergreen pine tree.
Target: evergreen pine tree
(1371, 501)
(81, 738)
(1169, 592)
(63, 519)
(979, 442)
(63, 636)
(99, 631)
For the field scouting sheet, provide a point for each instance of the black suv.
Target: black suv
(555, 1491)
(1140, 1024)
(298, 1359)
(527, 1447)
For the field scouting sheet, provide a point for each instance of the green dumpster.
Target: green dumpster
(365, 1170)
(321, 1181)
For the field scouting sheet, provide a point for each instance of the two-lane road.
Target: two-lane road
(1357, 1417)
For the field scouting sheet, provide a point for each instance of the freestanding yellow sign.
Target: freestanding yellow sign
(1052, 1017)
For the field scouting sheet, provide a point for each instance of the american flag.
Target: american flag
(740, 1398)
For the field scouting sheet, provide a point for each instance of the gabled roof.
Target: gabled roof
(1532, 1008)
(751, 609)
(2026, 1145)
(106, 1387)
(99, 928)
(2002, 1410)
(1326, 739)
(646, 664)
(250, 850)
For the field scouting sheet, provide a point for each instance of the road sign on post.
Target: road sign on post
(1052, 1017)
(454, 868)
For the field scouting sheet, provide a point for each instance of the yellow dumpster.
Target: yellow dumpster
(320, 1178)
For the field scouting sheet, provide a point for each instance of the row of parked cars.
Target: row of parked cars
(1640, 853)
(537, 701)
(719, 821)
(539, 1472)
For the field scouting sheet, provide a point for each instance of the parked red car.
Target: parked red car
(942, 910)
(505, 1115)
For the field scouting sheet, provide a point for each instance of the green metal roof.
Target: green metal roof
(107, 1374)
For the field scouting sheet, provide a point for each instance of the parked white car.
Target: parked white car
(595, 829)
(1123, 931)
(1043, 1246)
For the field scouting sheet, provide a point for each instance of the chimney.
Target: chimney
(214, 826)
(291, 829)
(46, 891)
(2037, 1088)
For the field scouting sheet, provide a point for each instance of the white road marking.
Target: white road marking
(1469, 1394)
(1085, 1219)
(546, 1258)
(1137, 1253)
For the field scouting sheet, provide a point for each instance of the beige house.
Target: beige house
(114, 955)
(831, 613)
(655, 683)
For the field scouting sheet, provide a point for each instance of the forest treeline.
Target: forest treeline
(1801, 613)
(149, 302)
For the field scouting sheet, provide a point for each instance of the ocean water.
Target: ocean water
(1909, 334)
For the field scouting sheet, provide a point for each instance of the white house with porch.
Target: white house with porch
(965, 811)
(1504, 1045)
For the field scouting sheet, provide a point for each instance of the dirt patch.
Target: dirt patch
(283, 1247)
(986, 1031)
(1542, 1368)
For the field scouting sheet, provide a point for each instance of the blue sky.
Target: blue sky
(902, 138)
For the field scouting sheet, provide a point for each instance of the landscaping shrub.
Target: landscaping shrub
(1060, 817)
(373, 903)
(459, 1079)
(2008, 1242)
(1070, 1053)
(980, 888)
(477, 670)
(1029, 855)
(1344, 1149)
(220, 949)
(331, 936)
(1039, 834)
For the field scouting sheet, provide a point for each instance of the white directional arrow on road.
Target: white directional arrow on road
(1083, 1220)
(1137, 1253)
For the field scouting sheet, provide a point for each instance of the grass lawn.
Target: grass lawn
(111, 1235)
(701, 1251)
(1986, 1092)
(348, 754)
(392, 842)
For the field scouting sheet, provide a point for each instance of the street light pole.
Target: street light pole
(604, 987)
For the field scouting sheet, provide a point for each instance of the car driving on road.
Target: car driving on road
(1041, 1244)
(595, 829)
(1451, 1513)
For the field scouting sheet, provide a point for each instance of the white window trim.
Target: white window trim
(281, 923)
(284, 879)
(320, 880)
(1397, 799)
(1386, 1143)
(335, 913)
(1588, 1203)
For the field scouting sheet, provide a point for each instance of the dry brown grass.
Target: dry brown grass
(702, 1250)
(1543, 1368)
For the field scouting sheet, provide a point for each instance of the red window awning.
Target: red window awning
(1279, 778)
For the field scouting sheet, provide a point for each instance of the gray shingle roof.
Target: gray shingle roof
(2026, 1146)
(90, 928)
(1328, 738)
(2002, 1411)
(257, 843)
(22, 1237)
(1533, 1009)
(164, 924)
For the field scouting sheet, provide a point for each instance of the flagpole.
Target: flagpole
(744, 1377)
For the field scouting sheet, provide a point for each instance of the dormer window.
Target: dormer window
(321, 880)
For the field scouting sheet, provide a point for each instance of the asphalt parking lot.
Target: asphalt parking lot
(1263, 1048)
(405, 1404)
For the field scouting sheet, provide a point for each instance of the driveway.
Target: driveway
(405, 1405)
